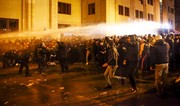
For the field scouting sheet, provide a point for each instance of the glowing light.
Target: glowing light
(137, 27)
(166, 26)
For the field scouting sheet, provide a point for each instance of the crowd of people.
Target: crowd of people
(128, 53)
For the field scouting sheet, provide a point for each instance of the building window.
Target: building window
(170, 21)
(120, 10)
(64, 8)
(141, 14)
(8, 25)
(91, 8)
(137, 14)
(141, 1)
(3, 24)
(150, 2)
(172, 10)
(169, 9)
(150, 17)
(126, 11)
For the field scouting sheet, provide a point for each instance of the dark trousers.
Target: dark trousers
(132, 68)
(41, 65)
(22, 65)
(64, 64)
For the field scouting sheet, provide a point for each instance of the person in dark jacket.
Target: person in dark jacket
(177, 53)
(40, 55)
(62, 55)
(5, 59)
(170, 41)
(23, 60)
(9, 58)
(161, 60)
(101, 53)
(131, 61)
(145, 67)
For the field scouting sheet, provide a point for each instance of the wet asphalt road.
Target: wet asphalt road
(80, 86)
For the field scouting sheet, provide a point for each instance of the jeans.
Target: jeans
(161, 72)
(110, 73)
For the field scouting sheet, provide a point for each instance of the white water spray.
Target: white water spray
(137, 27)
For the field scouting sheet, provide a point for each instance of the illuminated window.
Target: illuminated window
(126, 11)
(120, 10)
(64, 8)
(91, 8)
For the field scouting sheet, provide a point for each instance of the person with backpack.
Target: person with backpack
(111, 64)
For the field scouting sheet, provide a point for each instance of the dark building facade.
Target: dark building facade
(177, 15)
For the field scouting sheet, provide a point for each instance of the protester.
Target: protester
(160, 55)
(62, 55)
(40, 55)
(23, 60)
(131, 61)
(170, 41)
(111, 64)
(101, 53)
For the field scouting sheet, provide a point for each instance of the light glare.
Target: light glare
(121, 29)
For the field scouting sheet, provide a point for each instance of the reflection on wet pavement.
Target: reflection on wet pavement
(81, 87)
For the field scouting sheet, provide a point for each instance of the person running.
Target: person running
(111, 64)
(131, 60)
